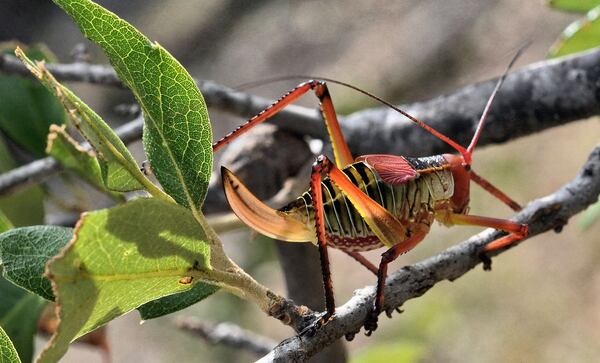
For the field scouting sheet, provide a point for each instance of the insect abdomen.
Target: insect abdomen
(409, 202)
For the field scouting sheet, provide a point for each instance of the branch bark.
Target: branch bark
(543, 214)
(227, 334)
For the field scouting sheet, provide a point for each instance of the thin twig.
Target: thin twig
(542, 215)
(39, 170)
(216, 95)
(227, 334)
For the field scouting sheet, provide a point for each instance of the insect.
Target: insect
(372, 201)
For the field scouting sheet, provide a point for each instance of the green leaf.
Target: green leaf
(403, 352)
(26, 108)
(590, 216)
(25, 207)
(19, 315)
(6, 161)
(8, 354)
(5, 225)
(121, 258)
(177, 136)
(172, 303)
(25, 252)
(120, 171)
(579, 6)
(579, 36)
(73, 156)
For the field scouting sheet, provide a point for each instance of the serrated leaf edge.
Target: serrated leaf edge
(53, 135)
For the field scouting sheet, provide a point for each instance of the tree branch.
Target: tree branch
(543, 214)
(227, 334)
(216, 95)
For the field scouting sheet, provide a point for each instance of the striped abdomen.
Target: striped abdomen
(412, 202)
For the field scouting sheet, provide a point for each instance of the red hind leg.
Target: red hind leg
(383, 224)
(341, 151)
(386, 258)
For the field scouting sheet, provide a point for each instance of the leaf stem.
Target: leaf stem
(155, 191)
(231, 276)
(132, 169)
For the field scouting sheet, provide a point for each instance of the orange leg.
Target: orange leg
(386, 258)
(341, 151)
(385, 226)
(317, 201)
(516, 231)
(362, 260)
(495, 191)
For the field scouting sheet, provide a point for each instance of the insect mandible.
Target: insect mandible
(372, 201)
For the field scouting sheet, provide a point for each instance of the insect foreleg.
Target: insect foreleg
(362, 260)
(494, 191)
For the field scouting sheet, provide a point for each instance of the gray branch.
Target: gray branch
(227, 334)
(543, 214)
(537, 97)
(215, 95)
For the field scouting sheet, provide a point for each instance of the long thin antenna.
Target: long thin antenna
(466, 153)
(488, 105)
(421, 124)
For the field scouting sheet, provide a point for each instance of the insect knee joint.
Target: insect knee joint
(322, 164)
(321, 90)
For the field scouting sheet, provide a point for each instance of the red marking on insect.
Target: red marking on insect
(356, 244)
(391, 168)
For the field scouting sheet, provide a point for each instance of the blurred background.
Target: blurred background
(541, 302)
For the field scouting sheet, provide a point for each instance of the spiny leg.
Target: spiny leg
(386, 258)
(385, 225)
(362, 260)
(317, 201)
(341, 151)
